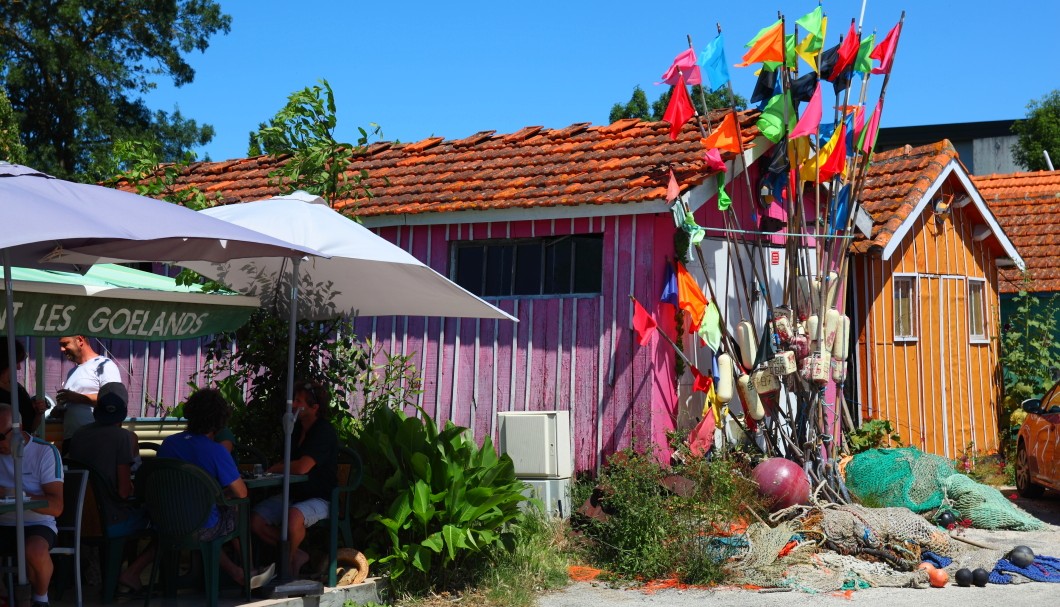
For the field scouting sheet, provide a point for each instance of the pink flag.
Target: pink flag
(701, 439)
(673, 189)
(884, 51)
(680, 108)
(684, 64)
(714, 161)
(811, 117)
(874, 125)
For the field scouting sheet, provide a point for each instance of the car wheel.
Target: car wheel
(1024, 485)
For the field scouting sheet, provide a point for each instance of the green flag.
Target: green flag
(863, 63)
(771, 122)
(811, 22)
(724, 202)
(694, 231)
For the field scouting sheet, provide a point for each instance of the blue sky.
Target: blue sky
(422, 69)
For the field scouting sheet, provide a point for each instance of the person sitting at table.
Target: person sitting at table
(206, 412)
(32, 410)
(314, 452)
(111, 451)
(42, 479)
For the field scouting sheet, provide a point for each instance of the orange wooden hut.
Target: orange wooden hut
(923, 302)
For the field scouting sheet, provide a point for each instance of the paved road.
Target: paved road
(1045, 542)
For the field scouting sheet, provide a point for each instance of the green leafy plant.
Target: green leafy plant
(437, 502)
(873, 434)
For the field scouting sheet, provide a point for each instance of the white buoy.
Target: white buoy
(745, 339)
(751, 403)
(723, 389)
(841, 344)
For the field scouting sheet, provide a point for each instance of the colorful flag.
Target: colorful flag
(765, 87)
(689, 297)
(710, 328)
(814, 167)
(669, 292)
(836, 161)
(812, 44)
(813, 22)
(714, 161)
(701, 439)
(724, 202)
(693, 229)
(643, 323)
(863, 64)
(768, 45)
(884, 53)
(701, 382)
(771, 123)
(848, 51)
(679, 109)
(869, 134)
(725, 136)
(673, 189)
(714, 60)
(684, 65)
(811, 116)
(803, 87)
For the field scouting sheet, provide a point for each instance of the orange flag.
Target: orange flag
(725, 137)
(768, 45)
(690, 297)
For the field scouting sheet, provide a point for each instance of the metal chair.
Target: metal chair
(75, 482)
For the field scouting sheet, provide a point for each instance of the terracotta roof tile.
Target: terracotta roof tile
(1027, 206)
(894, 183)
(533, 167)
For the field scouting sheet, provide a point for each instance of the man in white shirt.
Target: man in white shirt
(81, 388)
(42, 479)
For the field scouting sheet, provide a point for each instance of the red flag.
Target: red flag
(726, 136)
(714, 161)
(767, 46)
(689, 297)
(684, 65)
(701, 439)
(701, 383)
(848, 51)
(837, 160)
(884, 51)
(811, 117)
(680, 108)
(673, 189)
(643, 323)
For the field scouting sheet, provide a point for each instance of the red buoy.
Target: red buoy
(782, 482)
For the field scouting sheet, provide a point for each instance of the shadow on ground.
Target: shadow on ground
(1045, 508)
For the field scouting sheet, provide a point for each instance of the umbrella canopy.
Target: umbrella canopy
(365, 275)
(118, 302)
(49, 220)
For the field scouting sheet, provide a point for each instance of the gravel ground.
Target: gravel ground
(1046, 542)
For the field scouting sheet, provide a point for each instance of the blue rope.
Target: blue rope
(1043, 569)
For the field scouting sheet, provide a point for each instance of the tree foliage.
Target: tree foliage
(11, 148)
(319, 163)
(1038, 132)
(75, 70)
(638, 106)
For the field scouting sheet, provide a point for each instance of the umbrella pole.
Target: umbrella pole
(16, 439)
(288, 426)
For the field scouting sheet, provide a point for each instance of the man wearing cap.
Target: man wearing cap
(110, 450)
(42, 479)
(79, 392)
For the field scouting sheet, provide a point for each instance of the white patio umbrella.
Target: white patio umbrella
(51, 221)
(363, 274)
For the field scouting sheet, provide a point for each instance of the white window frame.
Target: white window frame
(973, 337)
(914, 311)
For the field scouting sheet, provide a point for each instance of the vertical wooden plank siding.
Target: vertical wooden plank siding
(942, 389)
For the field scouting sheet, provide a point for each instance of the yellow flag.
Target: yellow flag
(811, 45)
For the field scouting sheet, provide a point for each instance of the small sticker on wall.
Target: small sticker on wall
(774, 258)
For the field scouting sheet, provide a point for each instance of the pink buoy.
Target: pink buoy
(782, 482)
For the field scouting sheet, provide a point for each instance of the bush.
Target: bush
(873, 434)
(651, 532)
(436, 503)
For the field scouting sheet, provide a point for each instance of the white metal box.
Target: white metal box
(554, 494)
(538, 443)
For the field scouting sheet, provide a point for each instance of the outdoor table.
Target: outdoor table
(272, 479)
(7, 504)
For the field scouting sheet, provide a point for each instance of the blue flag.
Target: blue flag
(669, 293)
(713, 61)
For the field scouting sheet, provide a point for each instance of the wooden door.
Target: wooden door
(946, 399)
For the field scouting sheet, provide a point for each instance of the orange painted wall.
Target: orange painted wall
(942, 388)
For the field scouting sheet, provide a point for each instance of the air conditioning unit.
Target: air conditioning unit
(538, 443)
(553, 493)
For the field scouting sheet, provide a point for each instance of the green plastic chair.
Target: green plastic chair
(179, 497)
(95, 529)
(350, 474)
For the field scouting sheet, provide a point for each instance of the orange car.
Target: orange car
(1038, 446)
